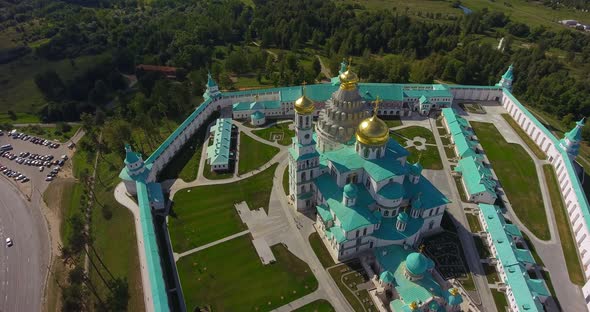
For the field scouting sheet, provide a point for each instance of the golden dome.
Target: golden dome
(348, 79)
(373, 130)
(304, 105)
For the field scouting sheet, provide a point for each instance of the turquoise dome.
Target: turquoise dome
(257, 115)
(417, 263)
(455, 300)
(417, 203)
(386, 277)
(402, 216)
(350, 190)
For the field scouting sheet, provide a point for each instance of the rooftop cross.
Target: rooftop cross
(376, 107)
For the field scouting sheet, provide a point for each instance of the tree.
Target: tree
(116, 133)
(316, 66)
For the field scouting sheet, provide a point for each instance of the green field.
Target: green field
(320, 250)
(253, 154)
(18, 91)
(317, 306)
(20, 118)
(518, 176)
(204, 214)
(122, 261)
(231, 277)
(563, 226)
(531, 13)
(429, 159)
(415, 131)
(529, 142)
(277, 129)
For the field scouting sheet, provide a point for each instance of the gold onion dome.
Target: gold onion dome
(373, 130)
(348, 79)
(304, 105)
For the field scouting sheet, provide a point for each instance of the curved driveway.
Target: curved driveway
(23, 267)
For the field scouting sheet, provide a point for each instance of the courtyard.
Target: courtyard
(253, 154)
(279, 132)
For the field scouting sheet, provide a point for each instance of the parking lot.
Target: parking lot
(31, 161)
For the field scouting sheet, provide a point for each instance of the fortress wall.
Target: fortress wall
(569, 184)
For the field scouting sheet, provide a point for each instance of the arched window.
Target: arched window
(366, 152)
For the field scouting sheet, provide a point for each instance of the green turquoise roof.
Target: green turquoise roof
(509, 75)
(350, 190)
(386, 277)
(257, 115)
(391, 258)
(130, 156)
(338, 233)
(513, 259)
(416, 168)
(392, 191)
(575, 135)
(256, 105)
(352, 217)
(219, 152)
(476, 177)
(210, 81)
(155, 193)
(324, 213)
(402, 217)
(157, 286)
(417, 263)
(417, 203)
(347, 159)
(454, 300)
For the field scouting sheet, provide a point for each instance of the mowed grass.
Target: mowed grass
(20, 118)
(316, 306)
(429, 159)
(517, 174)
(50, 133)
(320, 250)
(416, 131)
(253, 154)
(286, 181)
(277, 128)
(205, 214)
(529, 142)
(473, 223)
(230, 277)
(499, 299)
(563, 226)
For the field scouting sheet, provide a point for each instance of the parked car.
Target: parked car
(9, 242)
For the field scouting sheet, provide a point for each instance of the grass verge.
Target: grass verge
(473, 223)
(320, 250)
(499, 299)
(563, 226)
(317, 306)
(231, 277)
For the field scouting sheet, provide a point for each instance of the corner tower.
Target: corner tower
(506, 81)
(571, 141)
(212, 90)
(304, 159)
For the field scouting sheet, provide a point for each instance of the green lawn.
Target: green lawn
(473, 223)
(253, 154)
(563, 226)
(450, 152)
(529, 142)
(212, 175)
(50, 133)
(277, 129)
(286, 181)
(392, 121)
(499, 299)
(414, 131)
(516, 171)
(429, 159)
(317, 306)
(20, 118)
(205, 214)
(491, 273)
(320, 250)
(230, 277)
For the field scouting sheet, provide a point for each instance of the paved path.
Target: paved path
(296, 304)
(456, 210)
(569, 295)
(225, 239)
(325, 70)
(123, 199)
(23, 267)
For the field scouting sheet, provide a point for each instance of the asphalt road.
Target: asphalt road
(23, 267)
